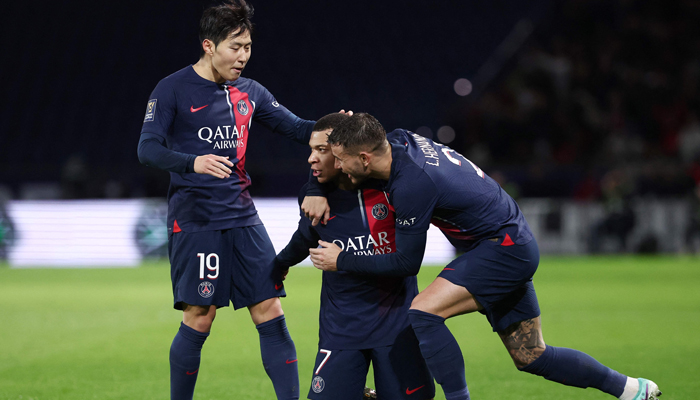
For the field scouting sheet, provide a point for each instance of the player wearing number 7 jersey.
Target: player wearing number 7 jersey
(431, 183)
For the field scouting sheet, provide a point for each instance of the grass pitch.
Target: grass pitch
(106, 333)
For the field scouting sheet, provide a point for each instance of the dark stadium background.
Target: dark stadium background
(571, 99)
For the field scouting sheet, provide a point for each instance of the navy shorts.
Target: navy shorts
(400, 372)
(500, 279)
(215, 267)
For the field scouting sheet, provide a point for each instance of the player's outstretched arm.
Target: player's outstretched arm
(405, 261)
(297, 249)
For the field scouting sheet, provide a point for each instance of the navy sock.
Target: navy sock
(441, 353)
(279, 357)
(185, 353)
(575, 368)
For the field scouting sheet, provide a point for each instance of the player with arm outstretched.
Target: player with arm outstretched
(197, 127)
(363, 318)
(431, 183)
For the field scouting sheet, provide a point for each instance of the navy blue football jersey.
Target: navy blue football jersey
(432, 183)
(357, 311)
(197, 116)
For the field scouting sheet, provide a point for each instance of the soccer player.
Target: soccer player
(196, 126)
(363, 318)
(430, 183)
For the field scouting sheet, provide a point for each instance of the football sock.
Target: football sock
(279, 357)
(185, 353)
(575, 368)
(441, 353)
(631, 389)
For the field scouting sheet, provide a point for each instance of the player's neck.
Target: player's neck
(344, 183)
(381, 168)
(206, 70)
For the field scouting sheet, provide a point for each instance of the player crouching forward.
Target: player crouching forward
(426, 183)
(363, 318)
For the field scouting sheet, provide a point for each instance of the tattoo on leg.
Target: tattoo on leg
(524, 342)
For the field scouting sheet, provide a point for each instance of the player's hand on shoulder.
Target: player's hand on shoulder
(316, 209)
(211, 164)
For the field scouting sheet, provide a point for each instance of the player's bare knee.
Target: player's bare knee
(199, 318)
(419, 303)
(266, 310)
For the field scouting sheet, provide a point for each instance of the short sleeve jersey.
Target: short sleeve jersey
(198, 116)
(360, 311)
(432, 183)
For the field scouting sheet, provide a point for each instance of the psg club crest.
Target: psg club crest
(206, 289)
(380, 211)
(242, 107)
(317, 384)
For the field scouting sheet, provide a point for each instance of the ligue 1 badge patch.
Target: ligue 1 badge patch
(242, 107)
(206, 289)
(150, 110)
(317, 384)
(380, 211)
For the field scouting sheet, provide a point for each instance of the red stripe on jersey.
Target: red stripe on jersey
(242, 110)
(380, 218)
(450, 230)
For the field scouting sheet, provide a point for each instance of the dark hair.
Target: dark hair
(361, 132)
(220, 22)
(330, 121)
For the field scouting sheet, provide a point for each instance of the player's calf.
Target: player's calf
(524, 342)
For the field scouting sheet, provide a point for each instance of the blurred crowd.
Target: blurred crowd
(602, 104)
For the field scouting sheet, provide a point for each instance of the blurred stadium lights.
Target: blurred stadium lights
(463, 86)
(446, 134)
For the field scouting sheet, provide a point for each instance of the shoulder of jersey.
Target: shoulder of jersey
(178, 75)
(243, 81)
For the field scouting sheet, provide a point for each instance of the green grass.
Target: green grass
(105, 333)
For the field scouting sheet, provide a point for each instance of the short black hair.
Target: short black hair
(361, 132)
(220, 22)
(330, 121)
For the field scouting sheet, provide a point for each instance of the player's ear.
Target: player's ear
(208, 47)
(365, 157)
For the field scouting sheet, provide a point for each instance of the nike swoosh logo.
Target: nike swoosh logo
(448, 269)
(291, 361)
(192, 109)
(332, 217)
(278, 287)
(192, 373)
(414, 390)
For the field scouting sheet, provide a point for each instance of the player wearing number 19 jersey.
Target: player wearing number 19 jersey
(197, 127)
(362, 318)
(431, 183)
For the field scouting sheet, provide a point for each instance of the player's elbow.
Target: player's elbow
(144, 153)
(409, 266)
